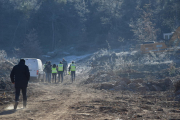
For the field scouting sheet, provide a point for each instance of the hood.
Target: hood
(21, 63)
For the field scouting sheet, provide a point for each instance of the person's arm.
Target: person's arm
(27, 73)
(66, 64)
(12, 76)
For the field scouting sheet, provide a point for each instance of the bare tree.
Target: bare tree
(144, 28)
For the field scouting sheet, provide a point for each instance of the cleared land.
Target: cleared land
(76, 101)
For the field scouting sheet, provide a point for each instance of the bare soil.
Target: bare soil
(75, 101)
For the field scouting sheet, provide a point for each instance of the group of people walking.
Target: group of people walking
(60, 70)
(20, 76)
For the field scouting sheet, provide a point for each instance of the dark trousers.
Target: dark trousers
(17, 93)
(60, 74)
(65, 71)
(73, 76)
(48, 77)
(54, 76)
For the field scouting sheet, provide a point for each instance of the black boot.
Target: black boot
(24, 104)
(15, 105)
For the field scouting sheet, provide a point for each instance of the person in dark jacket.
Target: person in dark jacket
(20, 76)
(65, 66)
(45, 69)
(48, 71)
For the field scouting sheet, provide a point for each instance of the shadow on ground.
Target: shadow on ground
(7, 112)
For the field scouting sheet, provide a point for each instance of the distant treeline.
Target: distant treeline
(60, 23)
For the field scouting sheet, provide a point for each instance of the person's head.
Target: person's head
(63, 59)
(60, 62)
(54, 65)
(49, 62)
(72, 62)
(22, 61)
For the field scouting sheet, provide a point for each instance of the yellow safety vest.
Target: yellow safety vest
(54, 70)
(44, 65)
(60, 67)
(73, 67)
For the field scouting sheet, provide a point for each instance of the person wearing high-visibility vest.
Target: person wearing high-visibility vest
(72, 68)
(60, 71)
(54, 72)
(45, 65)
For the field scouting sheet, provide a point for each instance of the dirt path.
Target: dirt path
(50, 101)
(73, 101)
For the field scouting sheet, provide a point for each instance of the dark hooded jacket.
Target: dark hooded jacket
(20, 75)
(48, 68)
(64, 62)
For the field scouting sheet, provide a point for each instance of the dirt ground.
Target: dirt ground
(74, 101)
